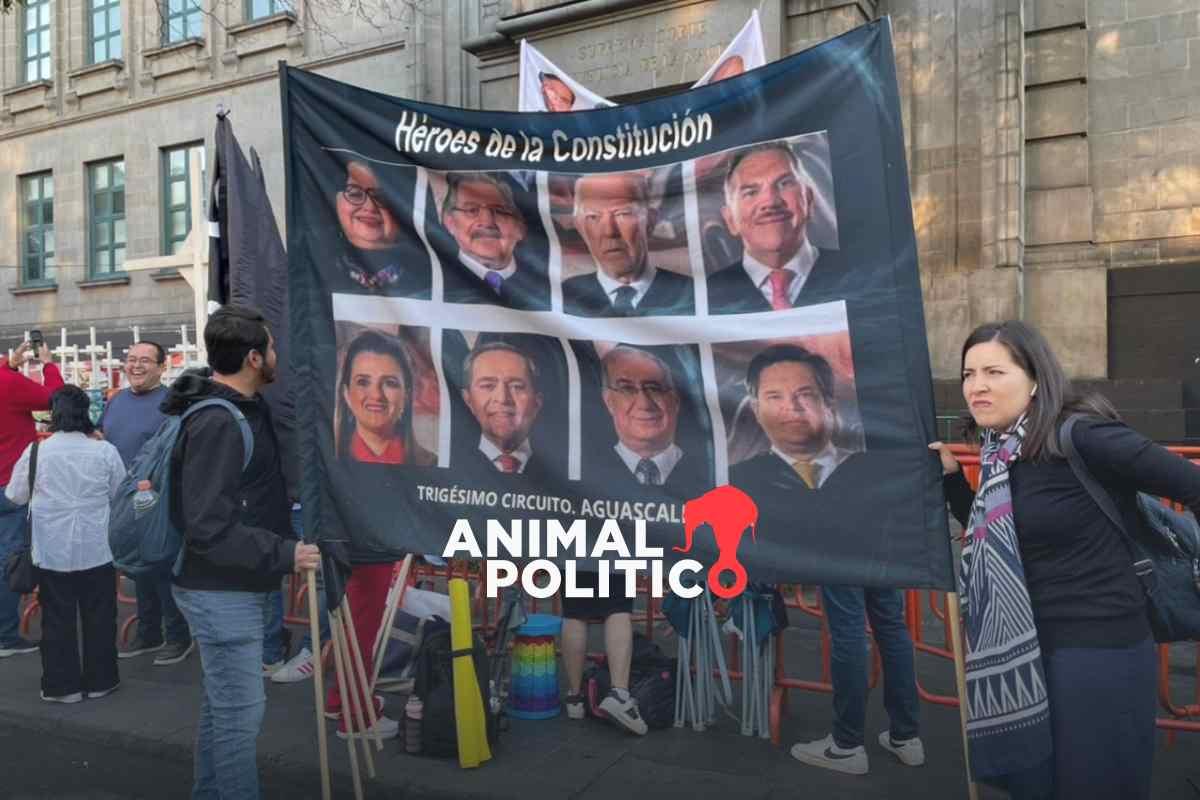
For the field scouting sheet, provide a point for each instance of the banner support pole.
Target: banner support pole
(389, 617)
(314, 627)
(960, 683)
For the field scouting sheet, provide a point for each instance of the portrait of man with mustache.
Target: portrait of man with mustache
(614, 217)
(769, 202)
(481, 213)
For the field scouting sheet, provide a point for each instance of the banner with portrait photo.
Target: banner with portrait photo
(603, 315)
(543, 86)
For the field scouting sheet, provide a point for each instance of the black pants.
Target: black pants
(1102, 707)
(92, 593)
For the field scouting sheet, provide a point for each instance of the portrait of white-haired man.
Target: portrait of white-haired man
(650, 436)
(770, 202)
(614, 217)
(496, 255)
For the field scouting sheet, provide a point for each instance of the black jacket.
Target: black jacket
(730, 290)
(236, 524)
(527, 289)
(669, 293)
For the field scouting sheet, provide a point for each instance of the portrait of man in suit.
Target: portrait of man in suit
(643, 400)
(555, 92)
(480, 212)
(500, 388)
(769, 202)
(792, 396)
(613, 216)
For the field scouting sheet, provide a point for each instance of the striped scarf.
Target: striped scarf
(1008, 715)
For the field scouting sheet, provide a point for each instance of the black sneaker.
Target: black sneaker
(18, 648)
(140, 646)
(174, 652)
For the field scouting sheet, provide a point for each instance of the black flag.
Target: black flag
(248, 266)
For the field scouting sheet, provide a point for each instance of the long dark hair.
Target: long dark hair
(370, 341)
(1055, 399)
(69, 411)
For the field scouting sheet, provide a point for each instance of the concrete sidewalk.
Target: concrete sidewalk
(154, 713)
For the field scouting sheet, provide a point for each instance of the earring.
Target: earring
(1033, 391)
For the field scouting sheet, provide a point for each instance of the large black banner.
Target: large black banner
(604, 314)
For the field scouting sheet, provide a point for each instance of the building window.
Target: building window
(106, 30)
(106, 186)
(37, 229)
(258, 9)
(37, 40)
(184, 20)
(177, 194)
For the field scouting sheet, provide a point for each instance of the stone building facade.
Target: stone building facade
(1053, 145)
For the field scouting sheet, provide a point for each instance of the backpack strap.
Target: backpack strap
(239, 417)
(33, 451)
(1142, 564)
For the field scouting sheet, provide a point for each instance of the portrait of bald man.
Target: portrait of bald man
(643, 400)
(613, 215)
(769, 202)
(480, 212)
(501, 389)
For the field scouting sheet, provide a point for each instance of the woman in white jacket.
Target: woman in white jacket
(74, 479)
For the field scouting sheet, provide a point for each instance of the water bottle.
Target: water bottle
(144, 499)
(414, 710)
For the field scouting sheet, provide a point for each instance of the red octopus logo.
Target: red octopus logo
(728, 511)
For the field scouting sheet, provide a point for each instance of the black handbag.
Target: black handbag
(19, 571)
(1165, 551)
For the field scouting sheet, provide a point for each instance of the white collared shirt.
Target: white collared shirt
(522, 454)
(800, 265)
(826, 461)
(76, 479)
(480, 271)
(664, 460)
(640, 286)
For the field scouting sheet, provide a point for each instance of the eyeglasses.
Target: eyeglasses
(356, 195)
(630, 390)
(499, 213)
(145, 362)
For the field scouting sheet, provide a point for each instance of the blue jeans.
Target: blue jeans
(228, 627)
(14, 534)
(156, 605)
(273, 648)
(844, 609)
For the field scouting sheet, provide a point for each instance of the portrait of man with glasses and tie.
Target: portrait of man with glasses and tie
(645, 404)
(793, 395)
(377, 245)
(496, 255)
(614, 216)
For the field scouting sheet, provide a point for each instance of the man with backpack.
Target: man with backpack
(19, 397)
(131, 417)
(238, 541)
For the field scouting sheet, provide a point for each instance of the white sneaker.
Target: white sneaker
(624, 712)
(299, 668)
(825, 753)
(574, 706)
(384, 728)
(910, 751)
(73, 697)
(269, 670)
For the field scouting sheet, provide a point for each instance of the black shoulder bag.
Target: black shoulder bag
(1165, 551)
(19, 571)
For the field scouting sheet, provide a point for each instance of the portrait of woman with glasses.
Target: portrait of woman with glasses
(378, 249)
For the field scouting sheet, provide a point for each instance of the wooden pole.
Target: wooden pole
(353, 701)
(360, 672)
(314, 627)
(389, 617)
(960, 681)
(335, 634)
